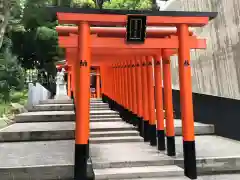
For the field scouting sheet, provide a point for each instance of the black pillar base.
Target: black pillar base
(80, 167)
(146, 131)
(190, 169)
(74, 106)
(161, 140)
(153, 134)
(110, 104)
(140, 126)
(128, 116)
(88, 149)
(125, 115)
(121, 111)
(171, 150)
(104, 98)
(71, 95)
(134, 120)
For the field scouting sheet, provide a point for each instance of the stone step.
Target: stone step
(98, 104)
(210, 159)
(47, 160)
(62, 107)
(64, 101)
(199, 128)
(123, 139)
(52, 107)
(50, 131)
(45, 116)
(100, 107)
(37, 131)
(110, 126)
(214, 154)
(134, 154)
(114, 134)
(169, 178)
(106, 119)
(95, 113)
(138, 172)
(55, 101)
(104, 116)
(52, 116)
(29, 131)
(95, 99)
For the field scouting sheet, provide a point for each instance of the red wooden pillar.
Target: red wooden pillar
(134, 91)
(82, 82)
(185, 81)
(130, 91)
(139, 94)
(159, 103)
(123, 85)
(167, 82)
(145, 99)
(98, 88)
(151, 102)
(126, 81)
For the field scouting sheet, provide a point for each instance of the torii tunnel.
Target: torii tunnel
(132, 60)
(95, 79)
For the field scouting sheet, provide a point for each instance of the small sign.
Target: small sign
(149, 63)
(158, 63)
(186, 63)
(136, 28)
(83, 63)
(166, 61)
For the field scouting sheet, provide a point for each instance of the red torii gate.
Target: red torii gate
(85, 18)
(70, 42)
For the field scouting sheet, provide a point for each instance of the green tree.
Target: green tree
(36, 44)
(83, 3)
(10, 14)
(11, 74)
(128, 4)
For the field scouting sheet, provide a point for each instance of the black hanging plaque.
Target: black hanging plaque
(136, 28)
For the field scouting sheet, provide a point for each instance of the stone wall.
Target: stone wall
(36, 93)
(216, 70)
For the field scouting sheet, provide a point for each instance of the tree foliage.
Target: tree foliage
(128, 4)
(11, 74)
(83, 3)
(29, 39)
(36, 44)
(10, 14)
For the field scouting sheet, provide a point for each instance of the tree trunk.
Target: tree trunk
(4, 18)
(154, 5)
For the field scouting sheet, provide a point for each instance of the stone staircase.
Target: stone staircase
(40, 145)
